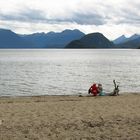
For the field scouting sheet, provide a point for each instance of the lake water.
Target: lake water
(66, 72)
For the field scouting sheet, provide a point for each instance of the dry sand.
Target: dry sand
(70, 118)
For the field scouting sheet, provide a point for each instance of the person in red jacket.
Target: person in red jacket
(93, 90)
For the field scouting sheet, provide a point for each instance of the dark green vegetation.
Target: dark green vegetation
(93, 40)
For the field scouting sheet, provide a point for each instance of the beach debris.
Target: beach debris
(80, 94)
(116, 89)
(101, 117)
(1, 121)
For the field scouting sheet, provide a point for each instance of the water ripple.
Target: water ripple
(46, 72)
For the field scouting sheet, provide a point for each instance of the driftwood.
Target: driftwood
(116, 89)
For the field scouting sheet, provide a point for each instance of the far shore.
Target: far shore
(70, 117)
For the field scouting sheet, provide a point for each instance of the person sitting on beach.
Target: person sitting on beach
(93, 90)
(100, 90)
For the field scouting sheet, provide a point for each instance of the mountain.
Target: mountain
(53, 39)
(123, 39)
(60, 40)
(120, 39)
(135, 36)
(93, 40)
(133, 44)
(37, 39)
(66, 38)
(9, 39)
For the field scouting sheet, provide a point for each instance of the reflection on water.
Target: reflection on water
(55, 72)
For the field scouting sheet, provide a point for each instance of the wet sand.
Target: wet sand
(70, 118)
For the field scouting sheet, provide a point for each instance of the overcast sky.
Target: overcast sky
(110, 17)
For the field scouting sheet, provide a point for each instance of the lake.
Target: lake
(27, 72)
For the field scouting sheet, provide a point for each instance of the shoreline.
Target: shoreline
(64, 95)
(70, 117)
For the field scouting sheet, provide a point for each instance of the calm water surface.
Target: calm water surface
(57, 72)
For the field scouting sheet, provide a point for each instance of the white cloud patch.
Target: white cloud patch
(109, 17)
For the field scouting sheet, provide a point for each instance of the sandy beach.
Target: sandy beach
(70, 118)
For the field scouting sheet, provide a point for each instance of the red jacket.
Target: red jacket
(94, 89)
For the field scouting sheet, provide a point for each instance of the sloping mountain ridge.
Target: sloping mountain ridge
(52, 39)
(9, 39)
(132, 44)
(92, 41)
(120, 39)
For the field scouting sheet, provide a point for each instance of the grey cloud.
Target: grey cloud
(124, 15)
(89, 19)
(28, 15)
(31, 15)
(83, 19)
(31, 18)
(129, 20)
(131, 17)
(93, 17)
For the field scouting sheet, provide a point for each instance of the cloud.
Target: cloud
(28, 15)
(126, 12)
(87, 15)
(130, 17)
(89, 19)
(83, 12)
(33, 15)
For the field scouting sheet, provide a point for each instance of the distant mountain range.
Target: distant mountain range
(123, 39)
(65, 39)
(124, 42)
(120, 40)
(53, 39)
(9, 39)
(134, 44)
